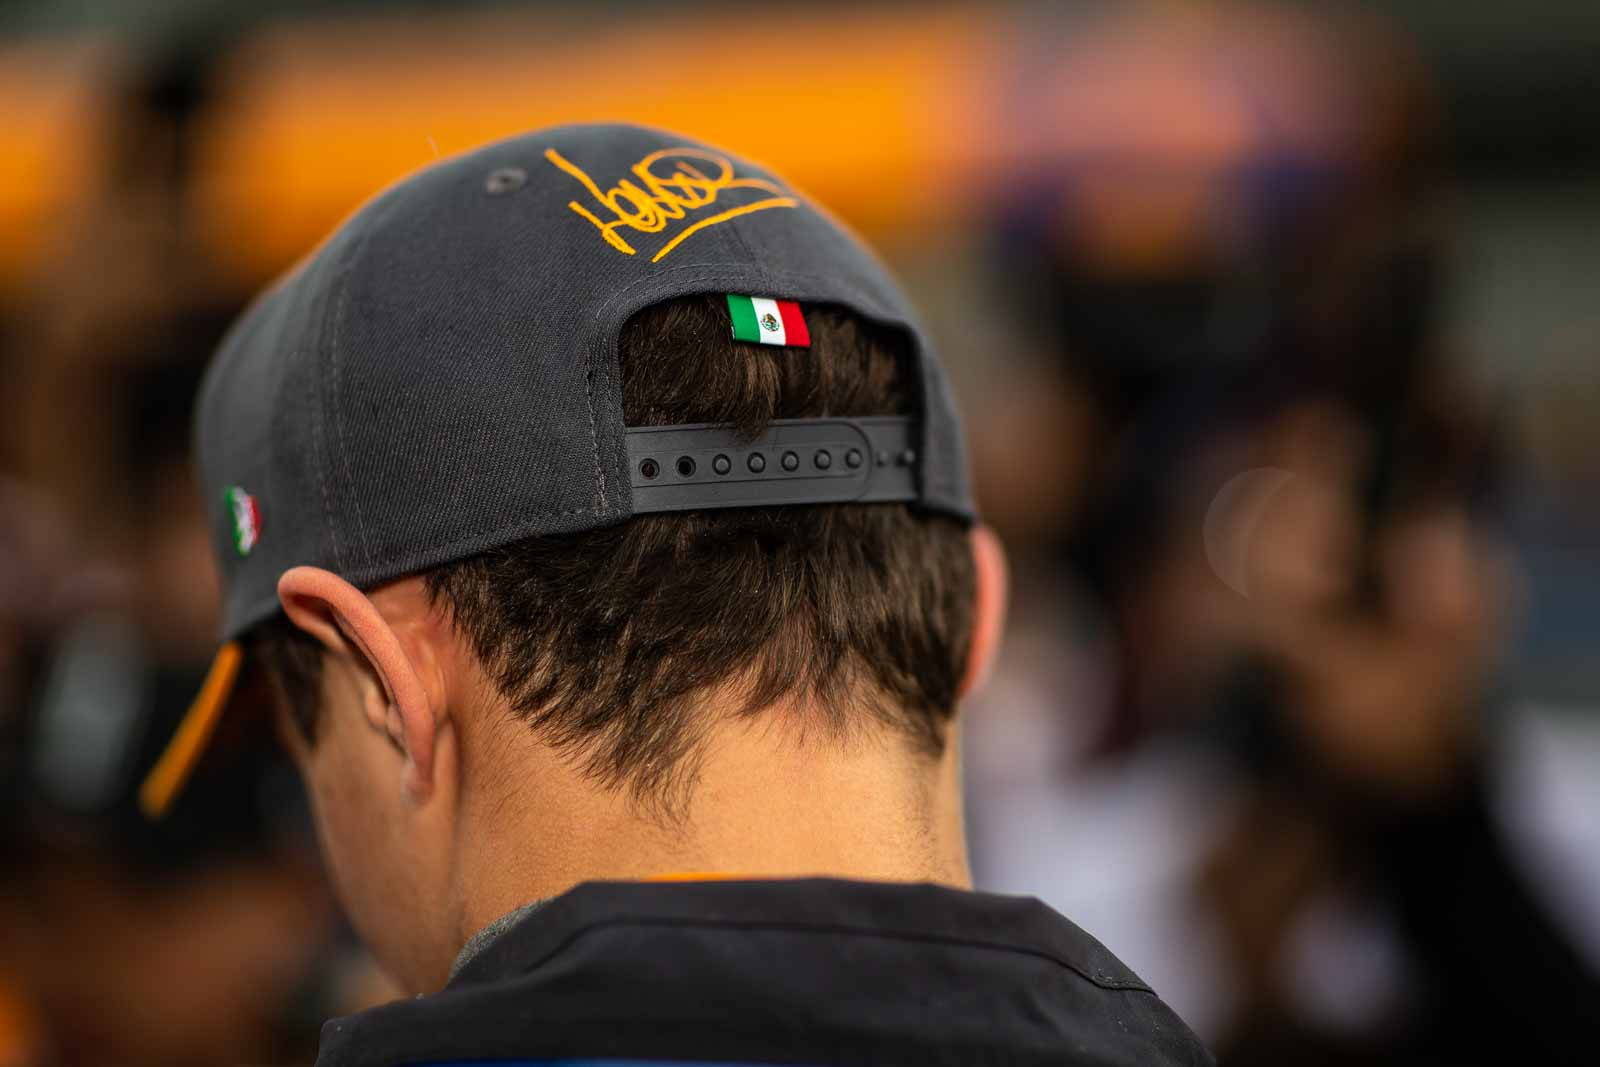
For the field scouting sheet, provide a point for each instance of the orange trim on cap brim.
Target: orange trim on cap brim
(173, 770)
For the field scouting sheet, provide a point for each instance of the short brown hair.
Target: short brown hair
(603, 640)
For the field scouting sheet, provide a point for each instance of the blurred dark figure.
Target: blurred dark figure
(1279, 546)
(206, 939)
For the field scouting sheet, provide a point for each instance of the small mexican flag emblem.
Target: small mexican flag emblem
(246, 518)
(763, 320)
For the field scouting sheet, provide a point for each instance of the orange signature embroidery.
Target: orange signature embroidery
(648, 205)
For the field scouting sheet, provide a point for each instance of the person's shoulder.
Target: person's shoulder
(816, 970)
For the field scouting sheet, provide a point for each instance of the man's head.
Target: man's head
(518, 639)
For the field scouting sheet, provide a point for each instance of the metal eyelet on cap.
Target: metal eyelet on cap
(504, 180)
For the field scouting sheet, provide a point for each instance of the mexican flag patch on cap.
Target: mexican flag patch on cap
(246, 518)
(763, 320)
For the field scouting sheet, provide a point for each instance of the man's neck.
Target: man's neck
(766, 801)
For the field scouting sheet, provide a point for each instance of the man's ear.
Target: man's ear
(988, 608)
(346, 622)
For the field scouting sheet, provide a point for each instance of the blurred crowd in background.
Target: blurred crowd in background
(1276, 331)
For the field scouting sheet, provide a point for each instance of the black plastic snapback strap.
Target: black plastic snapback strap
(795, 461)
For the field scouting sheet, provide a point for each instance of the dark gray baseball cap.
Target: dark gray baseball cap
(440, 376)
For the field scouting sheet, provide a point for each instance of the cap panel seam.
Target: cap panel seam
(338, 423)
(743, 253)
(319, 453)
(603, 358)
(333, 372)
(594, 434)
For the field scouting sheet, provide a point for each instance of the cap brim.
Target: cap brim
(173, 770)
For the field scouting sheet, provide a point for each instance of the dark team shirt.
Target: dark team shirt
(818, 971)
